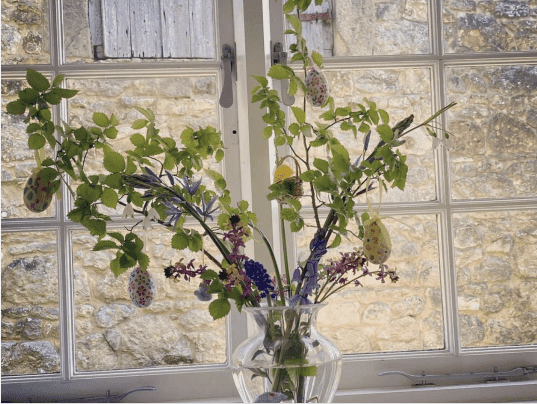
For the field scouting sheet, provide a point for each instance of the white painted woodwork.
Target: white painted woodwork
(156, 28)
(95, 22)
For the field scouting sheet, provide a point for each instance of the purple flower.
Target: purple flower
(205, 210)
(259, 276)
(202, 293)
(190, 186)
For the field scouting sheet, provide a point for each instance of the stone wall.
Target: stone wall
(496, 261)
(25, 35)
(30, 308)
(386, 317)
(18, 160)
(495, 131)
(401, 92)
(112, 333)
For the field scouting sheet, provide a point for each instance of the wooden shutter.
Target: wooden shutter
(153, 28)
(317, 28)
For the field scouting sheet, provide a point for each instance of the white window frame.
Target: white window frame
(255, 25)
(360, 380)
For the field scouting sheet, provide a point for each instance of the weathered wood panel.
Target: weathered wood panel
(95, 22)
(202, 28)
(175, 23)
(116, 28)
(157, 28)
(145, 28)
(317, 28)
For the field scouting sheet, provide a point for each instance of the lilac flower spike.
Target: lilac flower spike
(191, 186)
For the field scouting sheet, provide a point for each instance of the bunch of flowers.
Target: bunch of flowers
(162, 181)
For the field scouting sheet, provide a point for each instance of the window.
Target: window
(464, 238)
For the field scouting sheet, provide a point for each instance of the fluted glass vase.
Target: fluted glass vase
(285, 358)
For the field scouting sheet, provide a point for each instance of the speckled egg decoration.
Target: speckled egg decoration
(37, 193)
(142, 289)
(317, 87)
(377, 243)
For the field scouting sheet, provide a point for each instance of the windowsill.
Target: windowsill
(478, 392)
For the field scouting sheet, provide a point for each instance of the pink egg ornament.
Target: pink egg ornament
(317, 87)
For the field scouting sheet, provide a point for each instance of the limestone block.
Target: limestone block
(471, 303)
(198, 319)
(493, 269)
(209, 347)
(472, 330)
(338, 314)
(113, 314)
(94, 353)
(377, 313)
(348, 340)
(409, 306)
(30, 281)
(492, 303)
(77, 39)
(432, 331)
(84, 311)
(113, 337)
(10, 39)
(31, 357)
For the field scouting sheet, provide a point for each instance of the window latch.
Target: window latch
(486, 377)
(280, 57)
(228, 62)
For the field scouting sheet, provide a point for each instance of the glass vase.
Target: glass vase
(286, 358)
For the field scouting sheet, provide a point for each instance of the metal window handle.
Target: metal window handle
(228, 62)
(280, 57)
(425, 379)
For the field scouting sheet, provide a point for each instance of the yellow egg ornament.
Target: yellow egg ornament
(377, 242)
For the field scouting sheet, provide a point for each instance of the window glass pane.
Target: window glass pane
(402, 316)
(177, 102)
(495, 131)
(367, 27)
(30, 303)
(496, 261)
(399, 91)
(18, 161)
(123, 31)
(25, 32)
(492, 26)
(112, 333)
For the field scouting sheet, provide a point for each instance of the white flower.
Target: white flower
(151, 215)
(442, 142)
(128, 211)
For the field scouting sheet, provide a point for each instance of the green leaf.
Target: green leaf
(104, 245)
(280, 72)
(139, 123)
(336, 242)
(295, 23)
(113, 161)
(90, 193)
(209, 274)
(300, 115)
(317, 58)
(16, 108)
(101, 119)
(267, 132)
(219, 155)
(384, 116)
(109, 198)
(308, 176)
(385, 132)
(36, 141)
(111, 132)
(289, 6)
(46, 114)
(37, 80)
(180, 241)
(243, 206)
(288, 214)
(143, 260)
(58, 80)
(118, 236)
(321, 165)
(219, 308)
(115, 267)
(52, 98)
(261, 80)
(146, 112)
(113, 120)
(138, 140)
(29, 95)
(195, 243)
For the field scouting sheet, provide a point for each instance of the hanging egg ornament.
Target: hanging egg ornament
(141, 289)
(282, 172)
(38, 192)
(377, 243)
(317, 87)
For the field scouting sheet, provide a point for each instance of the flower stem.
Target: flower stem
(284, 242)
